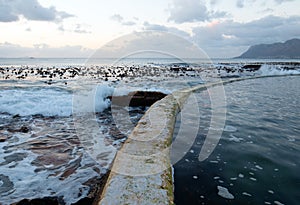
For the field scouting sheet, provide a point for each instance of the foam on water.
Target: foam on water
(42, 184)
(229, 128)
(274, 70)
(45, 101)
(101, 100)
(38, 100)
(55, 101)
(223, 192)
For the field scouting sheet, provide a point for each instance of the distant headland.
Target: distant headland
(288, 49)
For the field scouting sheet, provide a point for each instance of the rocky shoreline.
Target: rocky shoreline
(51, 145)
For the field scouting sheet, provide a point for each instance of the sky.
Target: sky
(77, 28)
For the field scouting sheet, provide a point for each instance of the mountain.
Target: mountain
(288, 49)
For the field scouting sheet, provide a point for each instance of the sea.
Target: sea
(59, 129)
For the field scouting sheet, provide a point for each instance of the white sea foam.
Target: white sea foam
(234, 138)
(258, 167)
(41, 184)
(223, 192)
(278, 203)
(229, 128)
(246, 194)
(270, 70)
(48, 101)
(101, 100)
(31, 101)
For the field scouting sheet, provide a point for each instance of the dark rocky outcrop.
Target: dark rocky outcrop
(288, 49)
(251, 67)
(137, 98)
(3, 138)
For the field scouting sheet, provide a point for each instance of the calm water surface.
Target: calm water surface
(257, 158)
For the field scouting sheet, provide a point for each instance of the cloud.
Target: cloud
(156, 27)
(6, 14)
(230, 38)
(214, 2)
(8, 50)
(128, 23)
(77, 28)
(160, 44)
(191, 11)
(240, 3)
(118, 18)
(11, 10)
(282, 1)
(81, 29)
(267, 10)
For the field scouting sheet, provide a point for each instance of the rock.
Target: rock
(251, 68)
(71, 168)
(16, 116)
(6, 185)
(24, 129)
(16, 157)
(3, 138)
(138, 98)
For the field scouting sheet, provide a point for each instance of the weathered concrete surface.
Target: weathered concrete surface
(142, 171)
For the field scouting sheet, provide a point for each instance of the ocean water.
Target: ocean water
(61, 105)
(256, 159)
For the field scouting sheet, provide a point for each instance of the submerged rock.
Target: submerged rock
(6, 185)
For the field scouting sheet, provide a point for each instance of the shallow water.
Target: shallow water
(46, 157)
(256, 160)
